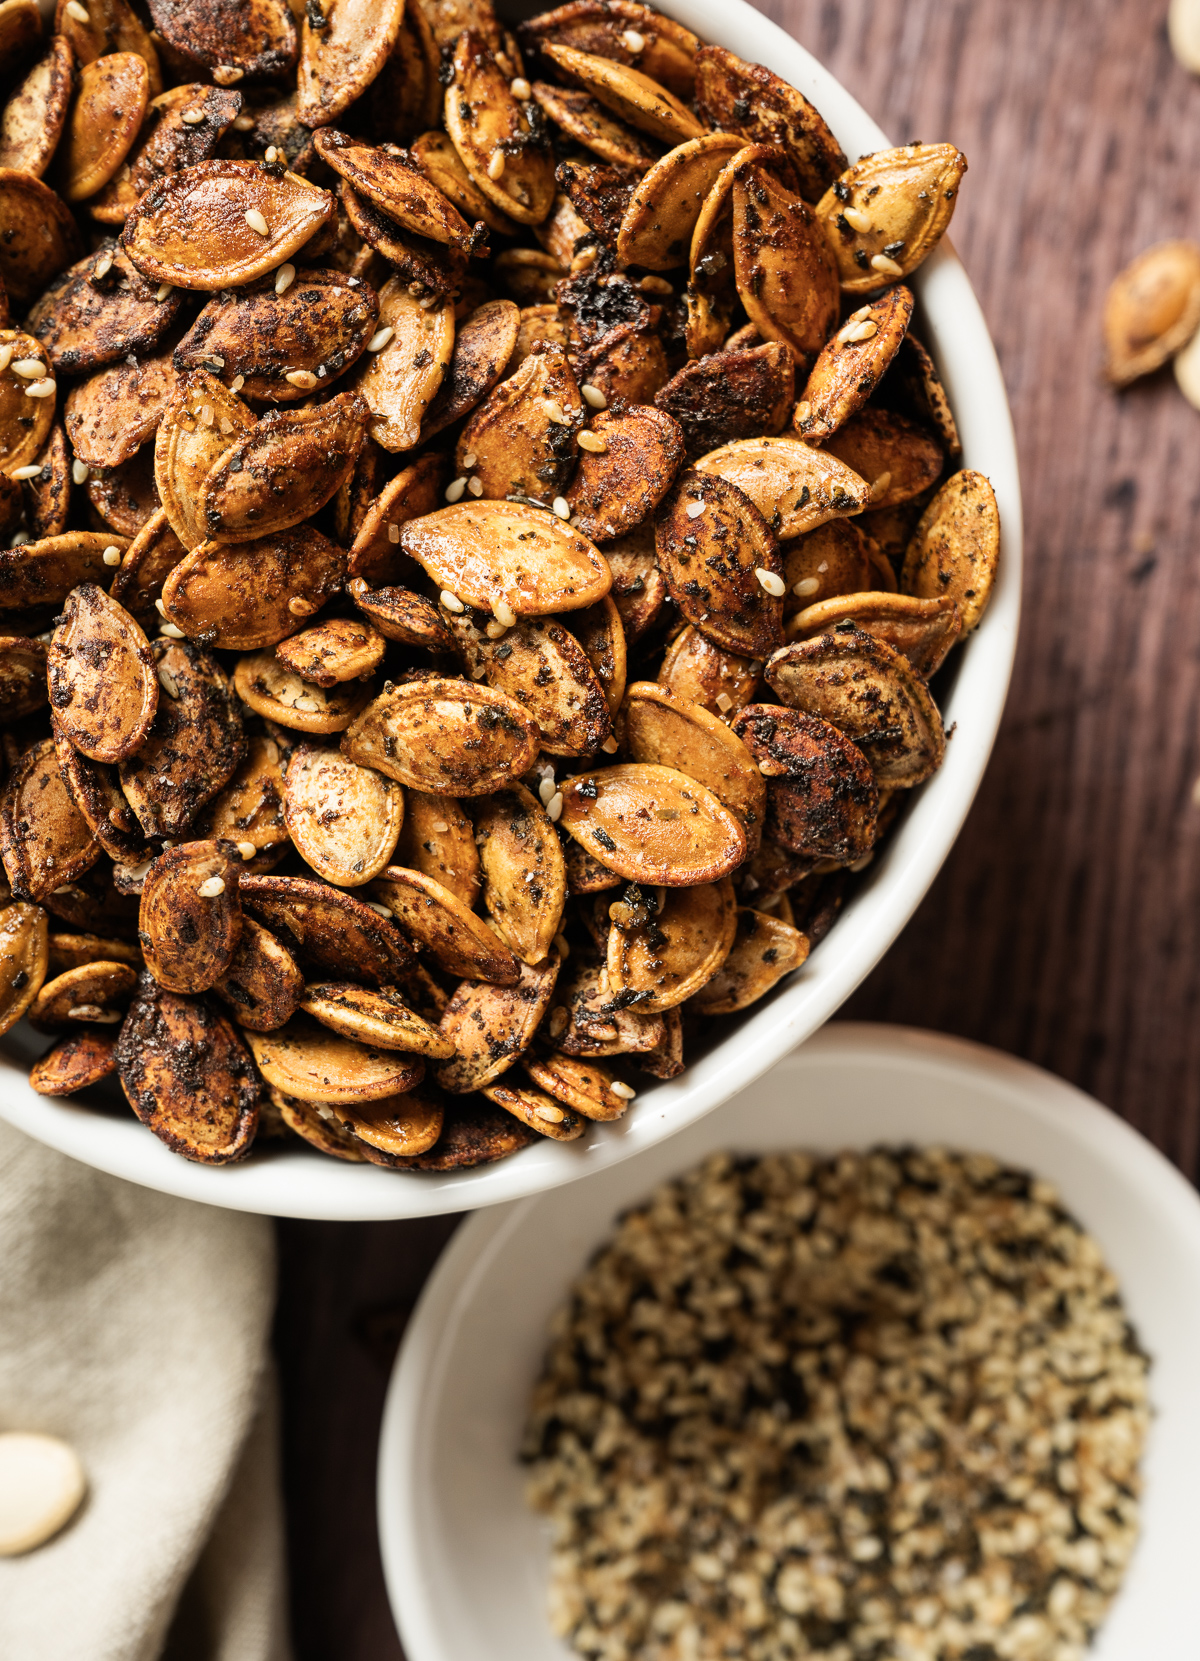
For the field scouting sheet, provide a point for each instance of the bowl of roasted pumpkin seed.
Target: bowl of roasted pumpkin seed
(500, 520)
(909, 1375)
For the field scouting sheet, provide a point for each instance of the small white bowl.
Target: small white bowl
(466, 1561)
(302, 1183)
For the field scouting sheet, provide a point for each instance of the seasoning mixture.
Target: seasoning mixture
(882, 1406)
(479, 522)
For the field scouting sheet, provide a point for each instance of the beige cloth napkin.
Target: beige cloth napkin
(136, 1327)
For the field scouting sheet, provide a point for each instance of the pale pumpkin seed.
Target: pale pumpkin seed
(923, 631)
(343, 818)
(667, 730)
(652, 824)
(678, 950)
(629, 94)
(23, 430)
(438, 840)
(380, 1019)
(537, 1110)
(23, 959)
(794, 487)
(524, 872)
(485, 552)
(490, 1026)
(749, 99)
(273, 690)
(102, 676)
(764, 951)
(722, 564)
(334, 651)
(585, 1086)
(484, 120)
(458, 941)
(955, 549)
(343, 46)
(889, 211)
(401, 378)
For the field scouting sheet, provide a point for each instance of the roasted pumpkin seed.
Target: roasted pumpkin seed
(403, 375)
(458, 941)
(706, 674)
(201, 419)
(657, 226)
(194, 745)
(524, 872)
(124, 497)
(107, 26)
(187, 1075)
(666, 730)
(786, 277)
(148, 561)
(182, 127)
(542, 667)
(484, 121)
(22, 677)
(629, 94)
(343, 46)
(190, 919)
(628, 461)
(488, 552)
(582, 118)
(343, 818)
(764, 951)
(334, 651)
(106, 113)
(822, 800)
(596, 1022)
(438, 840)
(198, 228)
(23, 430)
(794, 487)
(722, 564)
(33, 119)
(38, 236)
(585, 1086)
(48, 495)
(327, 929)
(392, 1131)
(834, 559)
(273, 690)
(483, 347)
(44, 839)
(308, 1061)
(262, 984)
(248, 811)
(626, 32)
(23, 958)
(537, 1110)
(869, 692)
(652, 824)
(490, 1026)
(441, 163)
(1152, 310)
(243, 595)
(669, 957)
(95, 789)
(729, 395)
(746, 98)
(522, 437)
(76, 1062)
(316, 1124)
(238, 37)
(955, 549)
(380, 1019)
(923, 631)
(851, 365)
(102, 678)
(108, 416)
(898, 459)
(71, 951)
(889, 211)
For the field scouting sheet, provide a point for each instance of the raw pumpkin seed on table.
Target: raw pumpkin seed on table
(476, 526)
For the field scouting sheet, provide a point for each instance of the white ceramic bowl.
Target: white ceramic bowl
(467, 1563)
(302, 1183)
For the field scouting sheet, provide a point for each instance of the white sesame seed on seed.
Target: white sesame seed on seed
(475, 486)
(30, 472)
(594, 396)
(111, 556)
(633, 41)
(854, 332)
(244, 123)
(610, 746)
(103, 266)
(562, 946)
(454, 490)
(380, 339)
(562, 507)
(774, 584)
(592, 442)
(620, 1088)
(495, 167)
(469, 461)
(168, 682)
(192, 118)
(555, 411)
(521, 89)
(211, 887)
(695, 509)
(271, 154)
(554, 807)
(247, 850)
(451, 601)
(548, 1112)
(724, 702)
(303, 378)
(226, 75)
(805, 587)
(393, 533)
(857, 220)
(885, 266)
(79, 471)
(441, 826)
(237, 383)
(6, 357)
(504, 613)
(284, 278)
(76, 12)
(547, 789)
(165, 292)
(384, 911)
(160, 607)
(29, 369)
(300, 607)
(257, 222)
(171, 632)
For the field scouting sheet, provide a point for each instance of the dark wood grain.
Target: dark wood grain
(1065, 926)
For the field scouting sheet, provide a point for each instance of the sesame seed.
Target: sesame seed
(168, 682)
(256, 222)
(554, 807)
(470, 460)
(882, 485)
(244, 123)
(207, 415)
(504, 613)
(79, 471)
(620, 1088)
(854, 332)
(29, 369)
(562, 946)
(211, 887)
(41, 389)
(271, 154)
(885, 266)
(857, 220)
(237, 383)
(225, 75)
(380, 339)
(547, 1111)
(6, 357)
(74, 10)
(562, 507)
(284, 278)
(20, 538)
(111, 556)
(590, 441)
(30, 472)
(805, 587)
(384, 911)
(495, 167)
(440, 826)
(494, 630)
(555, 411)
(103, 266)
(192, 118)
(475, 486)
(247, 850)
(594, 396)
(307, 705)
(430, 301)
(547, 788)
(454, 489)
(161, 607)
(300, 607)
(695, 509)
(302, 378)
(451, 601)
(559, 1020)
(633, 41)
(610, 746)
(171, 632)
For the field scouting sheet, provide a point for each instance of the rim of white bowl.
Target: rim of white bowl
(302, 1183)
(1015, 1090)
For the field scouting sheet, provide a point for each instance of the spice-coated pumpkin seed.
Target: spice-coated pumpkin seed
(273, 690)
(117, 409)
(537, 1110)
(243, 595)
(638, 588)
(392, 1131)
(327, 929)
(102, 676)
(406, 96)
(147, 562)
(312, 332)
(852, 363)
(375, 554)
(794, 487)
(822, 799)
(626, 32)
(667, 730)
(343, 46)
(284, 469)
(23, 430)
(595, 1022)
(388, 178)
(187, 1075)
(70, 951)
(484, 120)
(95, 789)
(764, 950)
(94, 993)
(199, 423)
(399, 614)
(484, 552)
(190, 919)
(182, 127)
(34, 116)
(438, 840)
(343, 818)
(1152, 310)
(542, 667)
(380, 1019)
(44, 839)
(48, 496)
(249, 809)
(194, 745)
(76, 1062)
(728, 395)
(889, 211)
(628, 93)
(402, 377)
(124, 497)
(747, 98)
(704, 673)
(955, 549)
(722, 564)
(315, 1123)
(107, 26)
(307, 1060)
(333, 651)
(109, 104)
(524, 872)
(483, 346)
(45, 572)
(523, 434)
(585, 1086)
(628, 463)
(834, 559)
(785, 274)
(869, 692)
(441, 163)
(490, 1026)
(582, 118)
(252, 37)
(670, 956)
(601, 633)
(458, 941)
(656, 229)
(897, 458)
(652, 824)
(197, 229)
(22, 676)
(920, 392)
(262, 984)
(24, 956)
(473, 1133)
(923, 631)
(445, 736)
(38, 236)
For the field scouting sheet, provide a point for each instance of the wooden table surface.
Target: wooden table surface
(1064, 927)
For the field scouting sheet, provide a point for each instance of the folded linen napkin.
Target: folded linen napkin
(136, 1327)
